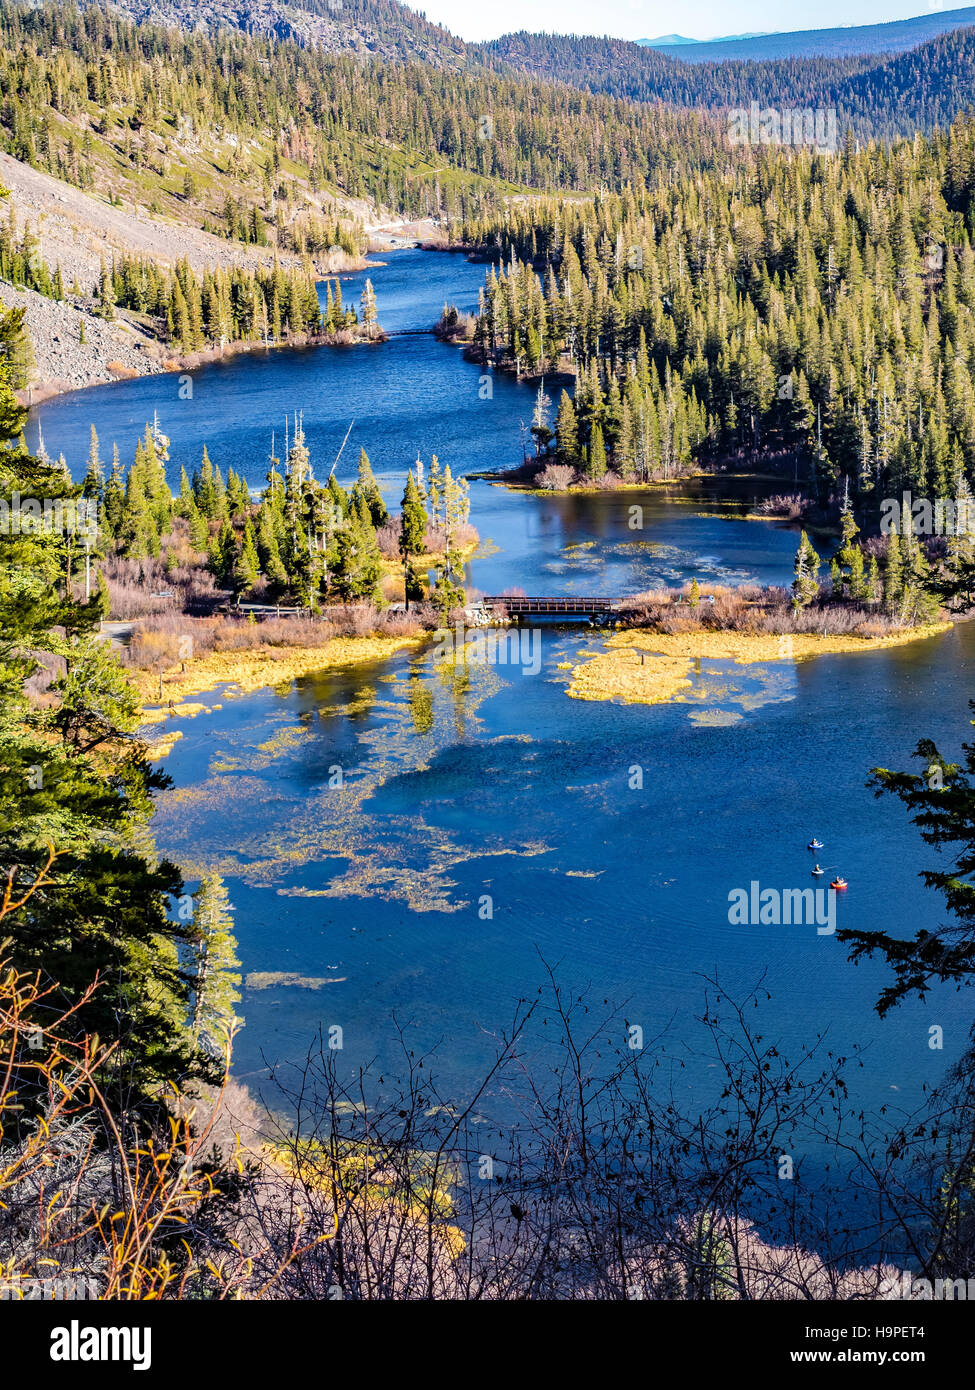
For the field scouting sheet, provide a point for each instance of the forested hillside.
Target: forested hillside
(895, 36)
(875, 96)
(242, 130)
(819, 305)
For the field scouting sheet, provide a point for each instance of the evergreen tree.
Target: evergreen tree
(805, 586)
(370, 318)
(370, 489)
(94, 482)
(596, 461)
(412, 536)
(216, 976)
(246, 563)
(75, 785)
(567, 431)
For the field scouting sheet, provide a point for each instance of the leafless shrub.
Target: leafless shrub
(790, 505)
(435, 539)
(556, 477)
(750, 608)
(160, 639)
(600, 1183)
(388, 538)
(140, 588)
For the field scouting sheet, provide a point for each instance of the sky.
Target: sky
(648, 19)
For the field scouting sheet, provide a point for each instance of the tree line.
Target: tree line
(303, 541)
(804, 302)
(233, 305)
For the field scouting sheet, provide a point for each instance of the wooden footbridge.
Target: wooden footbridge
(565, 606)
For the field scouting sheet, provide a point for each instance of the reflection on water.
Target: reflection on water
(414, 395)
(427, 835)
(365, 818)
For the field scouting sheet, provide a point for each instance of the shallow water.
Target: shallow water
(489, 782)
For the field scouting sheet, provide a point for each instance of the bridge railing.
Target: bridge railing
(561, 604)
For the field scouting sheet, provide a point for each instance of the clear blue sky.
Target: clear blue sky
(647, 19)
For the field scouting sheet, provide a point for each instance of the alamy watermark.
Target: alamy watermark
(22, 1288)
(492, 647)
(62, 516)
(945, 516)
(784, 126)
(755, 906)
(904, 1285)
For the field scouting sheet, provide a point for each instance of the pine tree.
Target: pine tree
(893, 573)
(198, 528)
(358, 561)
(370, 318)
(596, 462)
(567, 431)
(74, 780)
(94, 481)
(434, 491)
(370, 489)
(204, 488)
(246, 563)
(113, 502)
(216, 976)
(805, 586)
(540, 418)
(412, 537)
(186, 502)
(222, 556)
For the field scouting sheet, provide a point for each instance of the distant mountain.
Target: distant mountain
(674, 40)
(895, 37)
(873, 95)
(667, 41)
(923, 76)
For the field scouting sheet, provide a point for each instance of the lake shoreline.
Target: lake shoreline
(666, 659)
(246, 671)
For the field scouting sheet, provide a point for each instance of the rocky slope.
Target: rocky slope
(63, 362)
(77, 230)
(380, 28)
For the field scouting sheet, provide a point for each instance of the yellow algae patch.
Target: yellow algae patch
(186, 710)
(611, 676)
(260, 667)
(618, 673)
(361, 852)
(746, 647)
(286, 739)
(163, 746)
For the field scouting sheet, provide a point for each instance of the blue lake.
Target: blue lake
(489, 783)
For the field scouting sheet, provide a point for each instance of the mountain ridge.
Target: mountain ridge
(893, 36)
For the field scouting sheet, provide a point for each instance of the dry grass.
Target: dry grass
(791, 506)
(176, 582)
(264, 666)
(752, 609)
(165, 639)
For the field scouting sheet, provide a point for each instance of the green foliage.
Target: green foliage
(805, 586)
(73, 782)
(216, 969)
(814, 306)
(222, 306)
(941, 800)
